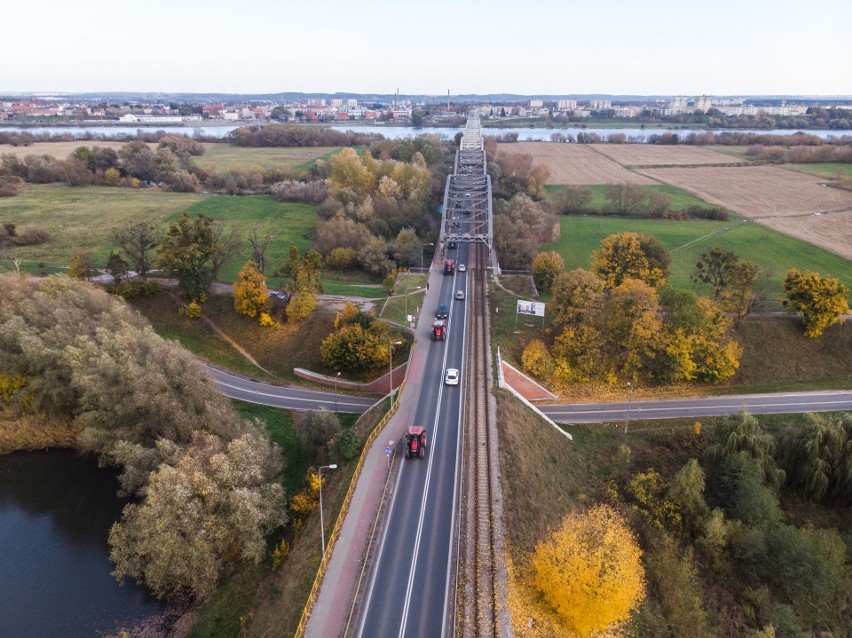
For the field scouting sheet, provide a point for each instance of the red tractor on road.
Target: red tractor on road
(439, 330)
(449, 266)
(415, 442)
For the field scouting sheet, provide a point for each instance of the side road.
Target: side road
(331, 610)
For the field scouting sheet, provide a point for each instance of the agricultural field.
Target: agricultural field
(81, 218)
(661, 155)
(793, 203)
(687, 240)
(59, 150)
(574, 163)
(680, 198)
(826, 170)
(225, 156)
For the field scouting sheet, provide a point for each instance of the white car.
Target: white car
(460, 295)
(452, 377)
(462, 268)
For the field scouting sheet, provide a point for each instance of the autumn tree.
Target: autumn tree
(822, 301)
(354, 348)
(744, 289)
(348, 170)
(631, 256)
(250, 291)
(536, 359)
(138, 241)
(303, 271)
(659, 204)
(80, 266)
(633, 328)
(545, 268)
(406, 248)
(259, 243)
(572, 200)
(117, 267)
(590, 570)
(713, 268)
(577, 296)
(520, 227)
(625, 198)
(189, 249)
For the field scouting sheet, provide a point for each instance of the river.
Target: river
(56, 509)
(525, 134)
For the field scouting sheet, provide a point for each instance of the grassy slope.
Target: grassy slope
(680, 198)
(226, 156)
(769, 249)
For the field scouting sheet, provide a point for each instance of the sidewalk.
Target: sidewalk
(525, 386)
(329, 615)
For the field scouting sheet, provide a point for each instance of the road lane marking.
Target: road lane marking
(290, 398)
(705, 406)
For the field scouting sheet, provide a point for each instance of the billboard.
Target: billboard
(534, 308)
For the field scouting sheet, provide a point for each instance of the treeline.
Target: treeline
(25, 138)
(288, 136)
(800, 154)
(629, 200)
(733, 138)
(206, 478)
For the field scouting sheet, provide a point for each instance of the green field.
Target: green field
(827, 170)
(769, 249)
(226, 156)
(680, 198)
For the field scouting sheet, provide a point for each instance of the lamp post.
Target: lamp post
(421, 253)
(335, 392)
(629, 402)
(390, 358)
(322, 524)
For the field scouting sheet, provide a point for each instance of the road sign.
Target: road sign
(388, 451)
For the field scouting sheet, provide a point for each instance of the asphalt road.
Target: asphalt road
(290, 398)
(409, 587)
(823, 401)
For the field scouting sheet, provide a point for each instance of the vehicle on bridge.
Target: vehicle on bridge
(442, 311)
(460, 295)
(439, 330)
(415, 441)
(449, 266)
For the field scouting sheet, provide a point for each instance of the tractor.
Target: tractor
(439, 330)
(449, 266)
(415, 442)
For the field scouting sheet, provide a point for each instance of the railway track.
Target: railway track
(477, 609)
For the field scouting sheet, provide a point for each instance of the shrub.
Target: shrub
(342, 259)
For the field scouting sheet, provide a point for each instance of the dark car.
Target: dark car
(441, 312)
(452, 244)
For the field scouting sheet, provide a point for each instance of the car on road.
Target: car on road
(460, 295)
(462, 267)
(441, 312)
(452, 377)
(452, 244)
(280, 296)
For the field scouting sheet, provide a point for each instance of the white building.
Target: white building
(600, 105)
(679, 104)
(702, 104)
(337, 103)
(352, 103)
(564, 105)
(536, 104)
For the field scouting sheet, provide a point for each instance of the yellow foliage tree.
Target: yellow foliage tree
(250, 291)
(822, 301)
(590, 570)
(301, 306)
(536, 359)
(630, 256)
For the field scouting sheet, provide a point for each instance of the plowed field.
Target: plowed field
(657, 155)
(574, 163)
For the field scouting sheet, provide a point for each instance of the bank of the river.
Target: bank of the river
(56, 509)
(27, 432)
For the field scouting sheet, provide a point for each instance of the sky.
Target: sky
(619, 47)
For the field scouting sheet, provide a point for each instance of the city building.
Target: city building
(564, 105)
(679, 105)
(600, 105)
(702, 104)
(536, 104)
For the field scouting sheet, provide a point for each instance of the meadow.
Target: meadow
(680, 198)
(224, 156)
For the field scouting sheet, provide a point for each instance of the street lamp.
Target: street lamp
(629, 402)
(335, 392)
(421, 253)
(322, 524)
(390, 358)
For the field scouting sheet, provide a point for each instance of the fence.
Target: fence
(306, 613)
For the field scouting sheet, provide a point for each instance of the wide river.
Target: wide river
(56, 509)
(400, 132)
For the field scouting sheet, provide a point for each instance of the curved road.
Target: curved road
(288, 397)
(779, 403)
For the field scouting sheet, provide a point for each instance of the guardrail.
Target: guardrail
(306, 613)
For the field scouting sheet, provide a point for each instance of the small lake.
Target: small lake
(56, 509)
(525, 134)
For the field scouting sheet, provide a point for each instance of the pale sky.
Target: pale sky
(665, 47)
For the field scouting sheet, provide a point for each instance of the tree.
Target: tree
(138, 241)
(742, 293)
(227, 242)
(304, 271)
(406, 248)
(215, 506)
(192, 250)
(713, 268)
(633, 328)
(536, 359)
(250, 291)
(320, 428)
(80, 266)
(659, 204)
(117, 267)
(259, 244)
(742, 433)
(625, 199)
(631, 256)
(572, 200)
(301, 305)
(545, 268)
(687, 492)
(820, 300)
(590, 570)
(577, 296)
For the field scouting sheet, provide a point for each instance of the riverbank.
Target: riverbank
(27, 432)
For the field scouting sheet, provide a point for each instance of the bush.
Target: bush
(714, 213)
(135, 289)
(342, 259)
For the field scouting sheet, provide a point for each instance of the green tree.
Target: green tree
(820, 300)
(713, 268)
(742, 433)
(139, 241)
(687, 492)
(546, 267)
(117, 267)
(250, 291)
(187, 250)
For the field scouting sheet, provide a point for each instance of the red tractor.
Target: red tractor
(449, 266)
(415, 442)
(439, 330)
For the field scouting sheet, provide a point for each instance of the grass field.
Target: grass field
(59, 150)
(826, 170)
(680, 198)
(226, 156)
(770, 249)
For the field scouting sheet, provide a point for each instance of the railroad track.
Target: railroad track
(477, 609)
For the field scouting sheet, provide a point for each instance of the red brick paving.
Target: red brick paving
(525, 386)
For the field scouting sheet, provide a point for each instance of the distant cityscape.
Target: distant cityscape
(330, 110)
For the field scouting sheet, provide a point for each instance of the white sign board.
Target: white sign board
(534, 308)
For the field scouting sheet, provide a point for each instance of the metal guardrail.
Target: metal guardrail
(332, 540)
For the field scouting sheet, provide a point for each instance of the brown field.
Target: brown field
(574, 163)
(59, 150)
(656, 155)
(775, 197)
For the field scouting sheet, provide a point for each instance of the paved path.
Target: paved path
(780, 403)
(525, 386)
